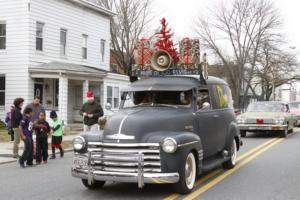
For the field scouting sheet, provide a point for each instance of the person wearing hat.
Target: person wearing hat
(91, 112)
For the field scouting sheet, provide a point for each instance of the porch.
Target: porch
(63, 86)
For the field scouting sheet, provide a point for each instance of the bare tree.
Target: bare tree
(132, 17)
(275, 67)
(235, 33)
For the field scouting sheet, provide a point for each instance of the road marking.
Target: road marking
(256, 148)
(218, 179)
(216, 171)
(198, 182)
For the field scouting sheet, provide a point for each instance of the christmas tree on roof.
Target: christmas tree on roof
(165, 40)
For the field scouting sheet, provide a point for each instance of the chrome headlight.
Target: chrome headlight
(78, 143)
(241, 120)
(279, 121)
(169, 145)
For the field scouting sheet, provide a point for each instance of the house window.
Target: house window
(2, 90)
(113, 96)
(63, 42)
(2, 35)
(39, 36)
(116, 97)
(84, 46)
(102, 50)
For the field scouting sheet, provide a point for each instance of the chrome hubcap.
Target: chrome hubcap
(190, 171)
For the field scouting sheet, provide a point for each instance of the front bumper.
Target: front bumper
(262, 127)
(91, 174)
(158, 178)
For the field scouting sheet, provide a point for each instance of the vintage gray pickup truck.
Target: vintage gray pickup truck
(168, 130)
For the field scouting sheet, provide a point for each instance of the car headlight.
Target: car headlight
(279, 121)
(241, 120)
(169, 145)
(78, 143)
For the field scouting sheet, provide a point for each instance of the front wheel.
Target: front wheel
(187, 175)
(284, 133)
(229, 164)
(95, 185)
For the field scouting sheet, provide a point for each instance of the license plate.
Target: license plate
(80, 162)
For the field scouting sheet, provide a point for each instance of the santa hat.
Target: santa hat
(90, 95)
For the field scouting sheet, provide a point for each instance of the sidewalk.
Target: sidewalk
(6, 149)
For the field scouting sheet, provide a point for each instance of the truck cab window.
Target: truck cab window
(163, 98)
(203, 100)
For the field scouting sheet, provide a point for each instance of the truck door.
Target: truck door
(224, 105)
(207, 118)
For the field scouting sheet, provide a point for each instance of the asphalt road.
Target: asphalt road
(268, 172)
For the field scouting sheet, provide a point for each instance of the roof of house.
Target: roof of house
(60, 67)
(93, 6)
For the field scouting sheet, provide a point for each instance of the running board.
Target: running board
(213, 162)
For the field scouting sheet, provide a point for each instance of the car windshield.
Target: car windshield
(266, 107)
(173, 99)
(294, 105)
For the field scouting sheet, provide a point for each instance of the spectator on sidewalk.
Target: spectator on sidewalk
(57, 134)
(91, 112)
(8, 121)
(16, 117)
(36, 107)
(26, 127)
(42, 130)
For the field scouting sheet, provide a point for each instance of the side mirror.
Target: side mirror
(205, 106)
(108, 106)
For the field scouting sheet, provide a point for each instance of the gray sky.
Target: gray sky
(180, 14)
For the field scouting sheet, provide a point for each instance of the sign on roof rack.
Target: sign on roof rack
(159, 57)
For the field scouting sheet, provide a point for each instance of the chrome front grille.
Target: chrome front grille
(118, 157)
(253, 121)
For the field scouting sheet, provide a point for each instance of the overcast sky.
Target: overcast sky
(180, 15)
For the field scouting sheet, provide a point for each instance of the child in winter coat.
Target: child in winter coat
(56, 127)
(8, 121)
(42, 129)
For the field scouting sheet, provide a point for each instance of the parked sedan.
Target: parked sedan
(295, 109)
(266, 116)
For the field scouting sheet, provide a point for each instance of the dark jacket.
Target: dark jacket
(16, 117)
(91, 108)
(42, 129)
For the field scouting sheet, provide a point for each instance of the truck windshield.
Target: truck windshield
(294, 105)
(266, 107)
(157, 98)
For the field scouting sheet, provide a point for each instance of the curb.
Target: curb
(11, 161)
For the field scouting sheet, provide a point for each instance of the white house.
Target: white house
(286, 93)
(58, 50)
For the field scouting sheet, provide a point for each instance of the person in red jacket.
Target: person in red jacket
(42, 130)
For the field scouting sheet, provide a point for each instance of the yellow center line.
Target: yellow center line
(227, 173)
(214, 172)
(256, 148)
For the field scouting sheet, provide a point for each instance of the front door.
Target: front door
(38, 91)
(207, 118)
